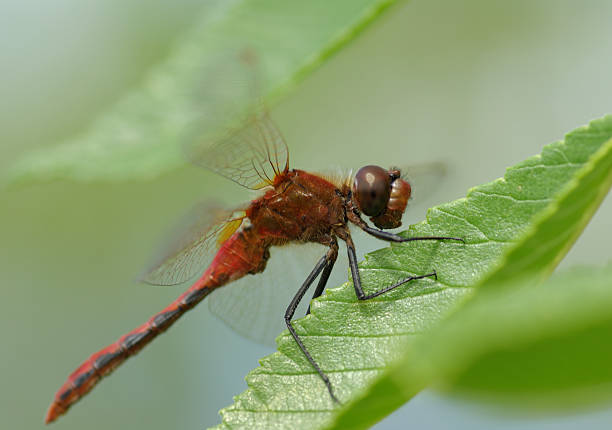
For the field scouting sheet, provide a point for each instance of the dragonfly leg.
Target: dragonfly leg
(327, 261)
(350, 246)
(331, 259)
(354, 217)
(390, 237)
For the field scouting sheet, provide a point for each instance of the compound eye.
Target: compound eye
(371, 189)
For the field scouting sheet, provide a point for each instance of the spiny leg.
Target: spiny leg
(350, 246)
(326, 261)
(355, 217)
(326, 272)
(391, 237)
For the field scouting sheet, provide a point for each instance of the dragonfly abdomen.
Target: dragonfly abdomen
(234, 259)
(103, 362)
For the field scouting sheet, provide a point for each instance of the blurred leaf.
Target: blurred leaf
(140, 137)
(543, 347)
(545, 201)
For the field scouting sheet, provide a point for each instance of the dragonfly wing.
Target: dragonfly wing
(251, 155)
(425, 179)
(193, 245)
(254, 306)
(237, 139)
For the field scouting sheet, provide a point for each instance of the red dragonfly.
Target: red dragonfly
(295, 207)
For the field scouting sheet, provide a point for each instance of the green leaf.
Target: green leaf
(545, 241)
(140, 137)
(540, 204)
(554, 230)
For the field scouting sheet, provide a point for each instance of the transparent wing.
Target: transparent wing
(255, 305)
(425, 179)
(251, 155)
(192, 247)
(236, 139)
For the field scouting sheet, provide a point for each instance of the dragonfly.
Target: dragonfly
(292, 207)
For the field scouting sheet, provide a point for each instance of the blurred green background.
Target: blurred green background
(480, 85)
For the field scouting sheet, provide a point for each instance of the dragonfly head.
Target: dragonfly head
(381, 194)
